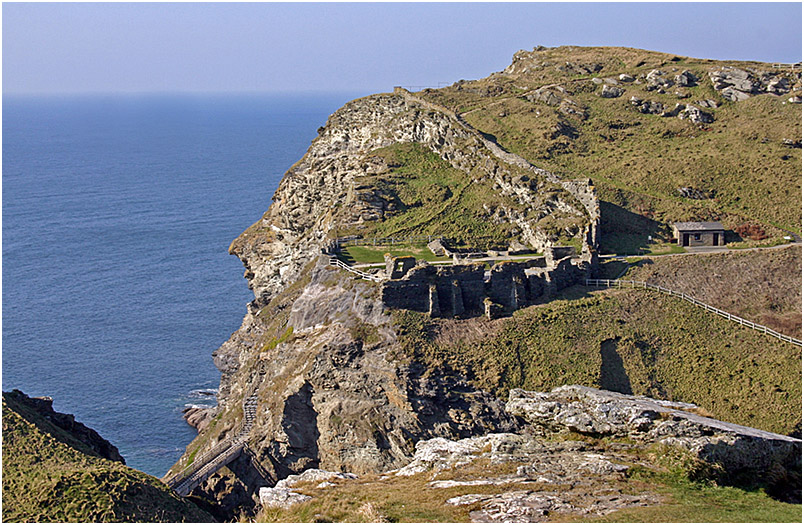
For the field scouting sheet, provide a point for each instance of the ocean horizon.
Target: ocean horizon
(118, 211)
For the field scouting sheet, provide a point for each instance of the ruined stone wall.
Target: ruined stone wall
(449, 291)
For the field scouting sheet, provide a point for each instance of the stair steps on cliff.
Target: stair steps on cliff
(221, 455)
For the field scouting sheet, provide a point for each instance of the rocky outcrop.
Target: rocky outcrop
(282, 495)
(740, 84)
(318, 192)
(331, 395)
(611, 91)
(75, 430)
(741, 452)
(682, 111)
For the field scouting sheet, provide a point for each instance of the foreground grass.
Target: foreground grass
(401, 499)
(48, 476)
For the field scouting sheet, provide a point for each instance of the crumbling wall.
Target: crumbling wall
(458, 290)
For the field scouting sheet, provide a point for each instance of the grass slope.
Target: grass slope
(433, 198)
(631, 341)
(638, 161)
(47, 480)
(763, 286)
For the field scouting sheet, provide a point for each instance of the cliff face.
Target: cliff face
(318, 347)
(319, 193)
(341, 382)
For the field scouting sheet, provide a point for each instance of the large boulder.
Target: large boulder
(610, 91)
(741, 452)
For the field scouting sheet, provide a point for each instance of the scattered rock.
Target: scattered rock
(611, 91)
(738, 84)
(546, 94)
(686, 79)
(656, 79)
(626, 78)
(597, 81)
(792, 143)
(692, 193)
(697, 115)
(531, 507)
(282, 496)
(675, 111)
(647, 106)
(708, 103)
(794, 100)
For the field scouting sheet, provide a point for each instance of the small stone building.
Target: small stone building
(699, 234)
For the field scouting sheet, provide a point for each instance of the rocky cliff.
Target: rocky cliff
(339, 380)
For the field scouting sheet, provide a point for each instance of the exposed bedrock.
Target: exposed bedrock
(742, 454)
(306, 205)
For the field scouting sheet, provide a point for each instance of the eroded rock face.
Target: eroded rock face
(331, 400)
(742, 452)
(292, 232)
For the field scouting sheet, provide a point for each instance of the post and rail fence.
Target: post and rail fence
(385, 241)
(622, 283)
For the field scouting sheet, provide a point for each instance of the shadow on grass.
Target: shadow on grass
(625, 232)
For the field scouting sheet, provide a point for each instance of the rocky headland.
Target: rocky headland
(333, 374)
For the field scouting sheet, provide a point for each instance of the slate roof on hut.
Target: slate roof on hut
(698, 226)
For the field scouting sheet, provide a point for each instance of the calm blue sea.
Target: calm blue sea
(117, 215)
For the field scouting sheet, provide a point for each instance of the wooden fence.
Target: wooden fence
(792, 67)
(621, 283)
(334, 261)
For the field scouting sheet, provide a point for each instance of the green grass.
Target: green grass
(639, 161)
(669, 350)
(433, 198)
(700, 503)
(376, 254)
(688, 500)
(48, 476)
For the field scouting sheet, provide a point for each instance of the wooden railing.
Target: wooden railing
(622, 283)
(385, 241)
(334, 261)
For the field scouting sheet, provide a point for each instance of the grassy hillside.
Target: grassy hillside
(48, 476)
(430, 197)
(638, 161)
(630, 341)
(762, 286)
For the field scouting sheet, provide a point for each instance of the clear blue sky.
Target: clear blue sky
(359, 47)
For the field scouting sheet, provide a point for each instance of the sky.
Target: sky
(358, 47)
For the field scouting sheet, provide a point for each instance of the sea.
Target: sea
(118, 211)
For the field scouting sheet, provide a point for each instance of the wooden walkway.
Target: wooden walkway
(622, 283)
(224, 453)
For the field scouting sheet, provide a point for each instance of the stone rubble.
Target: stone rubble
(282, 496)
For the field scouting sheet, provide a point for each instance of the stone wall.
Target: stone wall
(448, 291)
